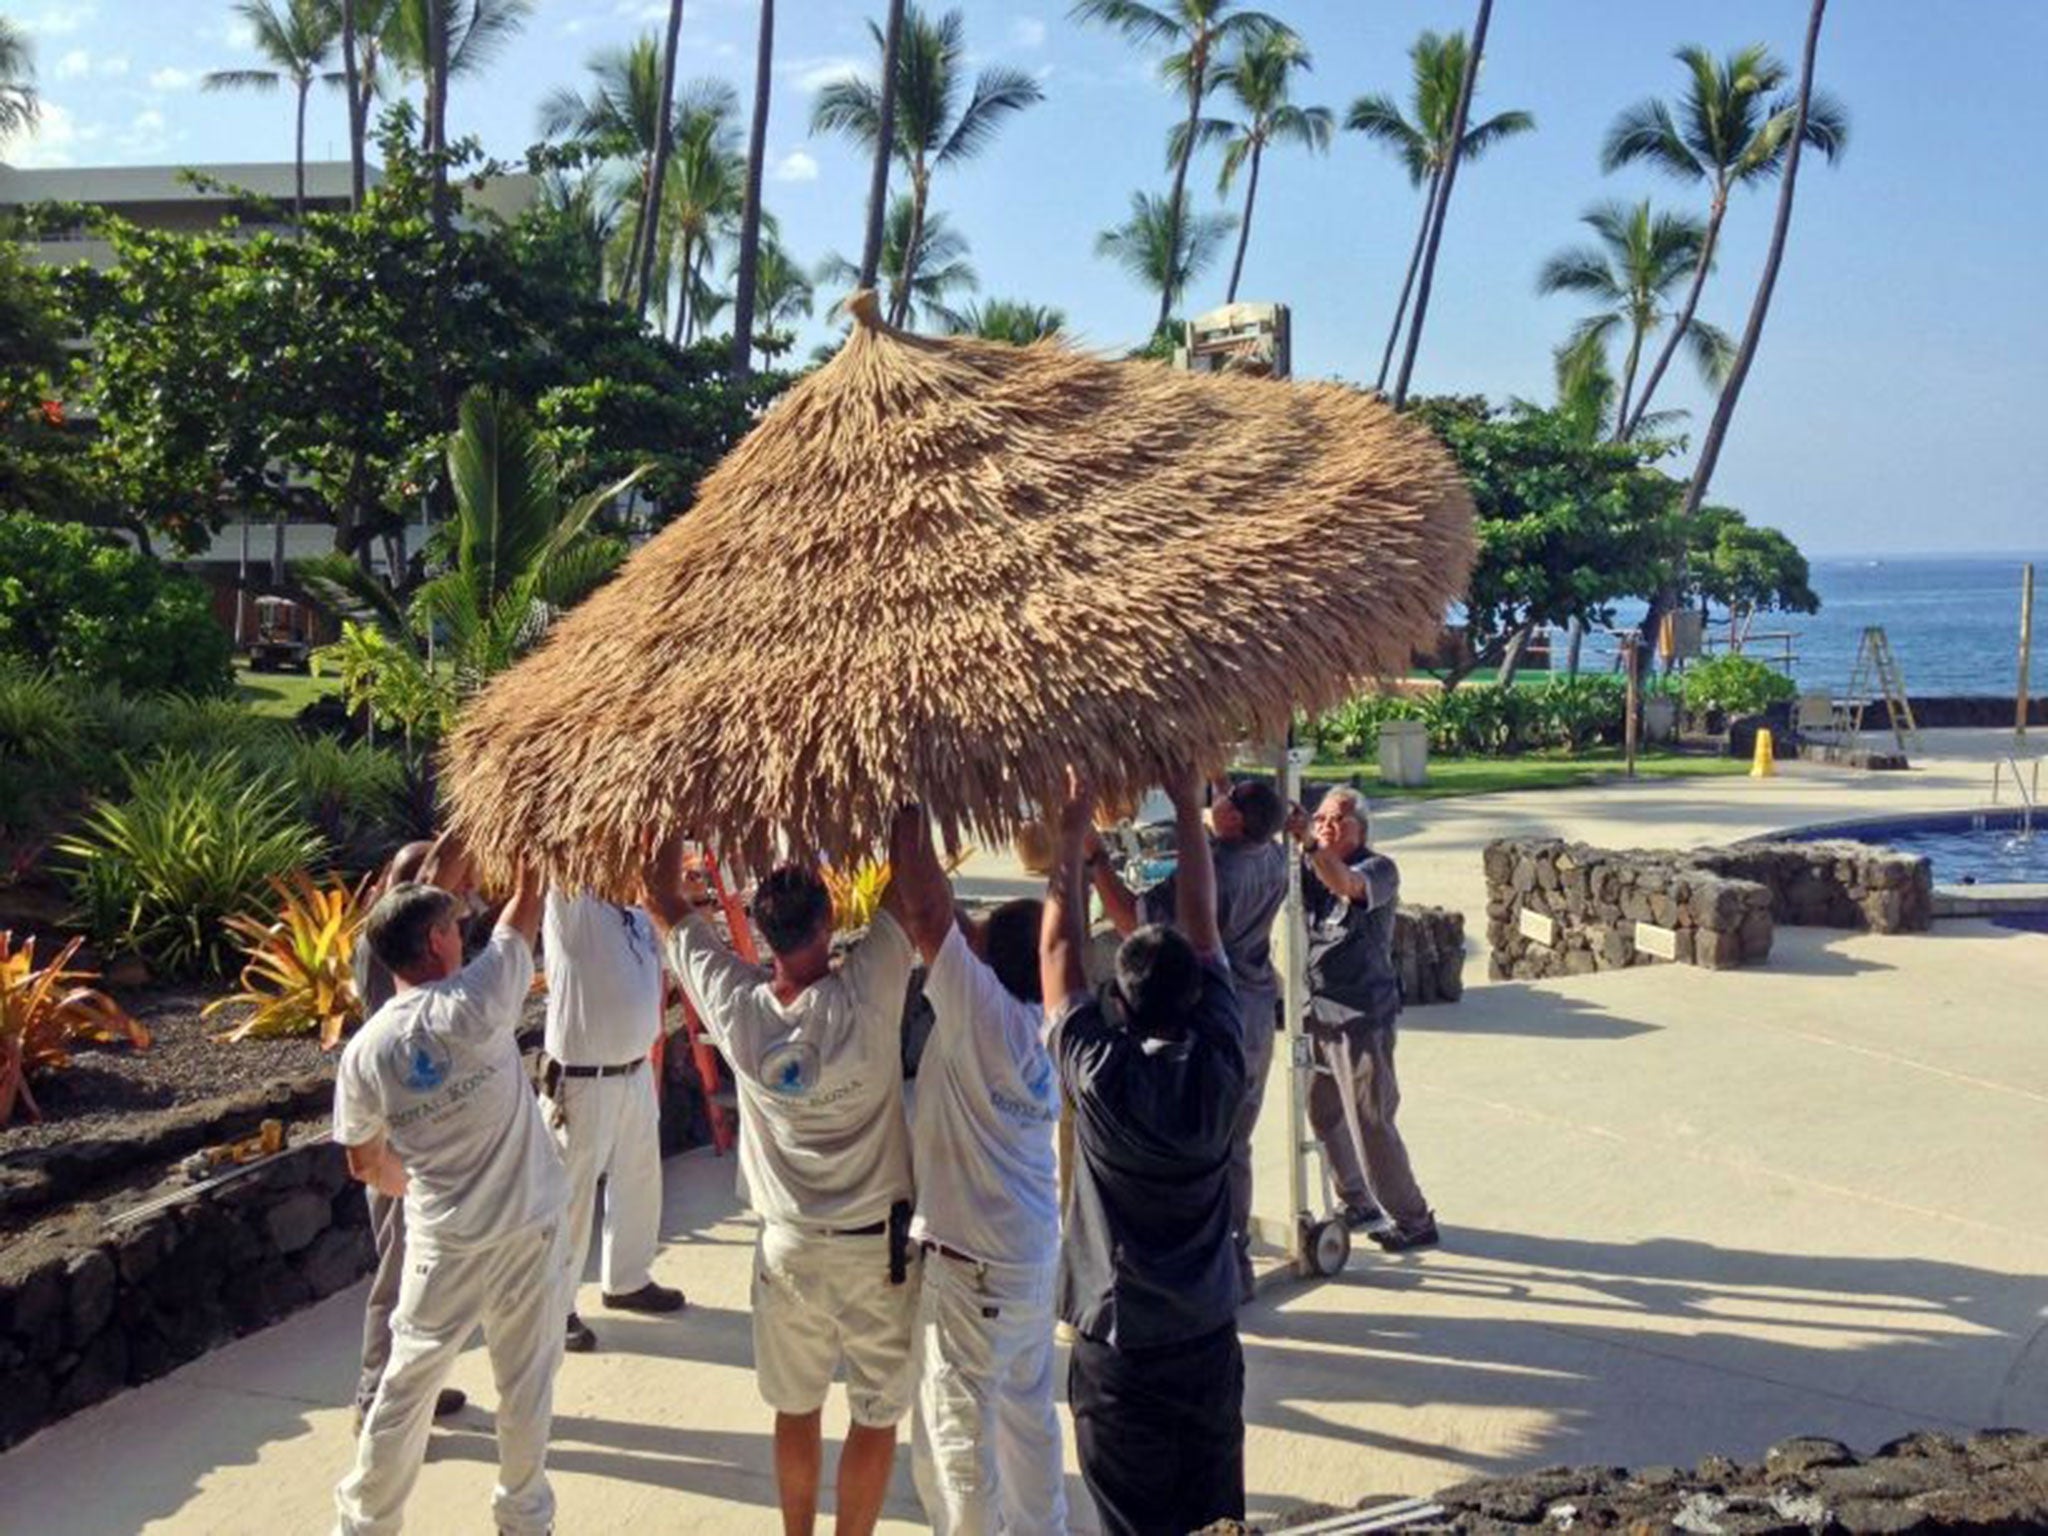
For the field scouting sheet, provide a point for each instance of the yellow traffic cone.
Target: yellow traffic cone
(1765, 763)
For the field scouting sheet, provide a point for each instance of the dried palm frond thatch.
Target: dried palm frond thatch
(944, 570)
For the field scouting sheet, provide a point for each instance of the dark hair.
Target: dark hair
(1159, 978)
(789, 905)
(1258, 806)
(398, 925)
(1011, 940)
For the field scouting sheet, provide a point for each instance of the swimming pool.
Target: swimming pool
(1965, 847)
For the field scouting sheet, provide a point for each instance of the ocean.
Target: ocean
(1953, 624)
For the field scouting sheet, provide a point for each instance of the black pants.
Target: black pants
(1161, 1432)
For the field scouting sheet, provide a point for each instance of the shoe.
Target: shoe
(451, 1400)
(649, 1298)
(579, 1340)
(1398, 1240)
(1364, 1218)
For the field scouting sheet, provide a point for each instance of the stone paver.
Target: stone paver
(1683, 1211)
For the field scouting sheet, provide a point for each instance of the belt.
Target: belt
(618, 1071)
(872, 1229)
(950, 1253)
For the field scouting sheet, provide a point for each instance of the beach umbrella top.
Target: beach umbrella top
(946, 569)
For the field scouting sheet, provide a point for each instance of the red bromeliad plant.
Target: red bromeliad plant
(43, 1012)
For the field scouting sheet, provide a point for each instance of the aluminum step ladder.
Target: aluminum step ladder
(1876, 675)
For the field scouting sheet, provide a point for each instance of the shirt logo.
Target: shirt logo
(1038, 1080)
(791, 1069)
(426, 1063)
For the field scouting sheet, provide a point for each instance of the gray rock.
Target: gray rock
(296, 1219)
(90, 1282)
(1804, 1453)
(38, 1300)
(337, 1259)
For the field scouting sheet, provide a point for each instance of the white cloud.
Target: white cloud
(815, 74)
(55, 140)
(1027, 32)
(795, 166)
(61, 18)
(170, 79)
(78, 63)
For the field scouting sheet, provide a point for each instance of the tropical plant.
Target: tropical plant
(193, 843)
(44, 1010)
(857, 892)
(297, 38)
(348, 791)
(655, 193)
(514, 556)
(1577, 712)
(433, 41)
(298, 972)
(1198, 32)
(87, 606)
(1423, 143)
(20, 107)
(1352, 729)
(746, 274)
(1011, 320)
(1732, 128)
(933, 126)
(1735, 685)
(41, 739)
(782, 294)
(939, 263)
(1641, 258)
(623, 116)
(883, 150)
(1747, 570)
(1258, 79)
(706, 196)
(1163, 252)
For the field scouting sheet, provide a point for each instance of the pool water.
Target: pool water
(1965, 848)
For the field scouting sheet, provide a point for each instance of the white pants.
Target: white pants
(820, 1301)
(985, 1447)
(611, 1128)
(515, 1287)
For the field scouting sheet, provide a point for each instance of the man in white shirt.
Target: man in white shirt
(431, 1102)
(986, 1441)
(825, 1157)
(604, 1016)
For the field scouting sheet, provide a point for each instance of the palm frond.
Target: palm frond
(1645, 132)
(1712, 349)
(343, 590)
(997, 93)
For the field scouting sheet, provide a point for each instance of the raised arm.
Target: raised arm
(1063, 931)
(1119, 905)
(918, 896)
(1195, 867)
(521, 914)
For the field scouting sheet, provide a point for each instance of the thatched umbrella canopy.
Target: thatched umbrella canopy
(944, 570)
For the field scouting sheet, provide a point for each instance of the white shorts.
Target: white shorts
(821, 1300)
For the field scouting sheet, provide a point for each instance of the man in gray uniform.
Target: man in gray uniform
(1251, 885)
(1350, 894)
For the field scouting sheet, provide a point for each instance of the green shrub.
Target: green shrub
(1579, 712)
(86, 607)
(1735, 685)
(41, 739)
(348, 791)
(1352, 729)
(194, 842)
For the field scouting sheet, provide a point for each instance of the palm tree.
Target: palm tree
(782, 295)
(20, 107)
(620, 117)
(297, 41)
(1011, 320)
(1640, 261)
(747, 274)
(933, 127)
(1424, 144)
(705, 193)
(938, 263)
(1258, 78)
(882, 149)
(1197, 31)
(1732, 128)
(351, 84)
(656, 190)
(1163, 252)
(1796, 135)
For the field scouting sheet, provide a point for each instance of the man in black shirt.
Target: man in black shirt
(1154, 1069)
(1349, 895)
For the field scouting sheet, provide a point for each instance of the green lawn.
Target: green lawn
(1450, 776)
(279, 694)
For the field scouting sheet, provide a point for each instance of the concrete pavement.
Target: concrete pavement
(1684, 1212)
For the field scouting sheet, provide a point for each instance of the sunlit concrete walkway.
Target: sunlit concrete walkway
(1683, 1212)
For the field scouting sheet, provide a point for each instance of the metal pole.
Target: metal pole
(242, 584)
(2019, 729)
(1632, 712)
(1294, 1011)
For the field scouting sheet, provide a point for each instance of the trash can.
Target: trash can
(1404, 753)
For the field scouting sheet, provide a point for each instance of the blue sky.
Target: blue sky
(1898, 400)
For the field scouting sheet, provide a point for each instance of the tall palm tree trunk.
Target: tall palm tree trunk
(299, 161)
(1176, 202)
(633, 241)
(1408, 282)
(750, 218)
(1628, 372)
(899, 297)
(351, 73)
(1626, 421)
(1244, 228)
(1449, 179)
(684, 296)
(1745, 353)
(437, 111)
(657, 173)
(885, 147)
